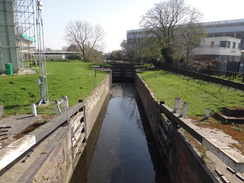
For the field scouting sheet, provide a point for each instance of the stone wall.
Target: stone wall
(183, 164)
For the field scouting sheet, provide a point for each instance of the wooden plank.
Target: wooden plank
(76, 133)
(17, 148)
(180, 121)
(78, 144)
(164, 125)
(163, 135)
(75, 121)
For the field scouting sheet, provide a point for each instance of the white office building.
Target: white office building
(223, 48)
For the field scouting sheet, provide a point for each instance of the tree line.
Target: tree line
(170, 32)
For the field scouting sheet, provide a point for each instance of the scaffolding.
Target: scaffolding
(25, 32)
(22, 40)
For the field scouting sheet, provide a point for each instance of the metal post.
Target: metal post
(41, 56)
(33, 107)
(57, 108)
(177, 105)
(207, 114)
(95, 75)
(1, 57)
(65, 103)
(183, 114)
(1, 110)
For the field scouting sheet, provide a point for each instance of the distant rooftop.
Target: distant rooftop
(206, 24)
(223, 22)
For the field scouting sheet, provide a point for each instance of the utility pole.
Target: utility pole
(41, 60)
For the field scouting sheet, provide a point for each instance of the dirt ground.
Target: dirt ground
(234, 131)
(230, 134)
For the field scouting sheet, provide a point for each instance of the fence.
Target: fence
(230, 68)
(229, 88)
(227, 83)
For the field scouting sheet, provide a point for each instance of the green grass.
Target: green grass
(73, 79)
(238, 129)
(199, 95)
(238, 78)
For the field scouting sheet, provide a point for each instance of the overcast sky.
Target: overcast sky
(118, 16)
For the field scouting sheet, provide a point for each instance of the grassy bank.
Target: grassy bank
(199, 95)
(74, 79)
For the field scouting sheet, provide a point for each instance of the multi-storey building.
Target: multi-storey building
(230, 28)
(223, 48)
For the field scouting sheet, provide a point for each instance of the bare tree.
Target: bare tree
(165, 23)
(189, 35)
(86, 37)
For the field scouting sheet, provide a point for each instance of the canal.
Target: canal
(122, 149)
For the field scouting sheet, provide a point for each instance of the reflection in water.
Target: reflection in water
(122, 153)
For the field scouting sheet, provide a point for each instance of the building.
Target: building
(226, 28)
(230, 28)
(8, 52)
(134, 38)
(223, 48)
(58, 55)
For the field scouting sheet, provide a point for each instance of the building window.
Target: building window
(212, 44)
(234, 45)
(228, 44)
(225, 44)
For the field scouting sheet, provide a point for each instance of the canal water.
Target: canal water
(124, 151)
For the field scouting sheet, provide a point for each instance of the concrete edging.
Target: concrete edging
(222, 151)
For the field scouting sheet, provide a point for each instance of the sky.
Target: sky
(118, 16)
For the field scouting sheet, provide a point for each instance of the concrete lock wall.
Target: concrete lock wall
(94, 102)
(183, 164)
(60, 163)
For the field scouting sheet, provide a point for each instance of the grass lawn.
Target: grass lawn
(74, 79)
(199, 95)
(237, 79)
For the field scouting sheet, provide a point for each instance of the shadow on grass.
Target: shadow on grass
(11, 107)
